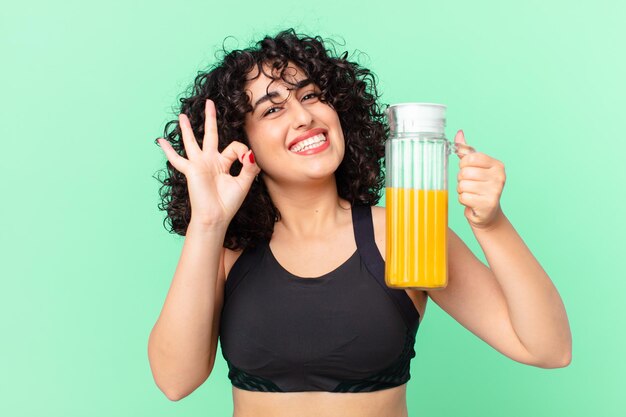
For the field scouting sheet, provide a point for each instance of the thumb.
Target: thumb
(459, 137)
(462, 147)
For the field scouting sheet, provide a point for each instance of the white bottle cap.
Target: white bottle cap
(416, 118)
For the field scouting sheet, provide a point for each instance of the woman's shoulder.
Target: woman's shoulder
(379, 210)
(379, 216)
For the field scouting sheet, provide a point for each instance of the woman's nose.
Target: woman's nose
(301, 115)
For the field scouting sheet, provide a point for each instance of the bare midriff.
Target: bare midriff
(384, 403)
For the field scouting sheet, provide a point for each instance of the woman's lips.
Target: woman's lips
(313, 132)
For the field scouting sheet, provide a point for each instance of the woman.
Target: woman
(274, 185)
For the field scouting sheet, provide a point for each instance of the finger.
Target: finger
(474, 187)
(250, 169)
(470, 199)
(234, 151)
(461, 147)
(477, 159)
(210, 139)
(474, 173)
(189, 140)
(175, 159)
(463, 150)
(459, 137)
(477, 201)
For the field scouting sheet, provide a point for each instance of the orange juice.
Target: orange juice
(417, 226)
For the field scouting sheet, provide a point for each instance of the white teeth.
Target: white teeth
(312, 142)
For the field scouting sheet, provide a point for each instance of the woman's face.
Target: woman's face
(300, 138)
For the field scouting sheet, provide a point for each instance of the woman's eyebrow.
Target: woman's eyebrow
(300, 84)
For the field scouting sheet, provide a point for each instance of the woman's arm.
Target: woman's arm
(536, 310)
(512, 305)
(518, 311)
(183, 342)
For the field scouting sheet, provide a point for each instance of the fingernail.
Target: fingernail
(251, 157)
(157, 141)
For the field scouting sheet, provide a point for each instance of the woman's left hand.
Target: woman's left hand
(481, 180)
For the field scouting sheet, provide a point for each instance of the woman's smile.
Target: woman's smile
(311, 142)
(311, 146)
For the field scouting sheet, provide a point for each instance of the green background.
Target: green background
(86, 262)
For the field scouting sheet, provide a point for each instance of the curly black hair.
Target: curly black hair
(348, 87)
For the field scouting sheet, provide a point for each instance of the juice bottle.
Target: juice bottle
(416, 188)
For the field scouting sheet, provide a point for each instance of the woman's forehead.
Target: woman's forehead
(259, 81)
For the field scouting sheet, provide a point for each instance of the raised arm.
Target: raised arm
(512, 304)
(183, 342)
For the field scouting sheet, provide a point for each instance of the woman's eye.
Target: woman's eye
(310, 95)
(305, 97)
(270, 110)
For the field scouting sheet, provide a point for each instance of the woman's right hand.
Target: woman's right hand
(214, 194)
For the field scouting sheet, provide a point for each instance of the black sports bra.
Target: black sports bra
(344, 331)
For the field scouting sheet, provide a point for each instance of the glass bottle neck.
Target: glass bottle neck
(417, 135)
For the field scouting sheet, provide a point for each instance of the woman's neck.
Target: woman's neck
(310, 211)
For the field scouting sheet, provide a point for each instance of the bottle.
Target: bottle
(416, 188)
